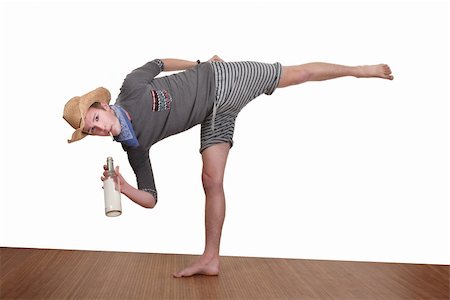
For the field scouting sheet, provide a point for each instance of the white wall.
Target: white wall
(343, 170)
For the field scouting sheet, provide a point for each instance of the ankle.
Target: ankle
(358, 71)
(209, 256)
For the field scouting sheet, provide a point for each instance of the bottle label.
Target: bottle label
(113, 206)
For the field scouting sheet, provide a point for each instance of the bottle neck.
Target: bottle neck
(110, 164)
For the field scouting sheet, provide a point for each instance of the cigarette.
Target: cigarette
(110, 133)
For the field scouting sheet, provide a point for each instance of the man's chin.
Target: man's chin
(114, 133)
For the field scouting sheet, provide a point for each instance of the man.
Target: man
(149, 109)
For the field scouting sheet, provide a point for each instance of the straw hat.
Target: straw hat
(76, 108)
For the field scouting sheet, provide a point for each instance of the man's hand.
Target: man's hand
(118, 180)
(215, 58)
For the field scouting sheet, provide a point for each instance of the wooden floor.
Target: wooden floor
(65, 274)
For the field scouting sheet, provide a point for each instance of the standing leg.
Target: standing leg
(292, 75)
(214, 161)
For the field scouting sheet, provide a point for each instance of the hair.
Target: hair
(96, 105)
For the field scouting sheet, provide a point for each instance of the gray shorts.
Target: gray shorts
(237, 83)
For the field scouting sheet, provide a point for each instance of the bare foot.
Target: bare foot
(380, 71)
(203, 266)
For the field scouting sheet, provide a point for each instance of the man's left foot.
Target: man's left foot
(380, 71)
(203, 266)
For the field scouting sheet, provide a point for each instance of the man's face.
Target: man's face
(101, 121)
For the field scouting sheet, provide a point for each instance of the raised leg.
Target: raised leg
(318, 71)
(214, 161)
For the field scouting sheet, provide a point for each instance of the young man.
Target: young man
(149, 109)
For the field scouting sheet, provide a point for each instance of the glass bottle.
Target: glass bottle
(111, 188)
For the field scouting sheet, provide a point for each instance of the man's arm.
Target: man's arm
(172, 64)
(143, 198)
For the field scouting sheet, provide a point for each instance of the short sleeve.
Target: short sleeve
(160, 64)
(140, 162)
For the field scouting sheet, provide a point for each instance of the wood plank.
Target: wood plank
(67, 274)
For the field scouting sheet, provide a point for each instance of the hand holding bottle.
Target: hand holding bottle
(118, 178)
(140, 197)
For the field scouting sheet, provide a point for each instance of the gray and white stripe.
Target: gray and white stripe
(237, 83)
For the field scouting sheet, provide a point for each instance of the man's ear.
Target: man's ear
(105, 106)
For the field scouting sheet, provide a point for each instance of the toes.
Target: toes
(183, 273)
(189, 271)
(180, 274)
(387, 73)
(388, 76)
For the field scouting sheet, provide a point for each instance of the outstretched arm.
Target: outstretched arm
(172, 64)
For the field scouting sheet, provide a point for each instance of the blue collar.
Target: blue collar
(127, 136)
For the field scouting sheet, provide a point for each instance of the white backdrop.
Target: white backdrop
(348, 169)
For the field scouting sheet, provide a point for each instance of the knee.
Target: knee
(212, 182)
(303, 76)
(293, 76)
(300, 75)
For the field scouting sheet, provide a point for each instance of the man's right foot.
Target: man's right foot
(203, 266)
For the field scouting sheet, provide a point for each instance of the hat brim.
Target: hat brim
(77, 135)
